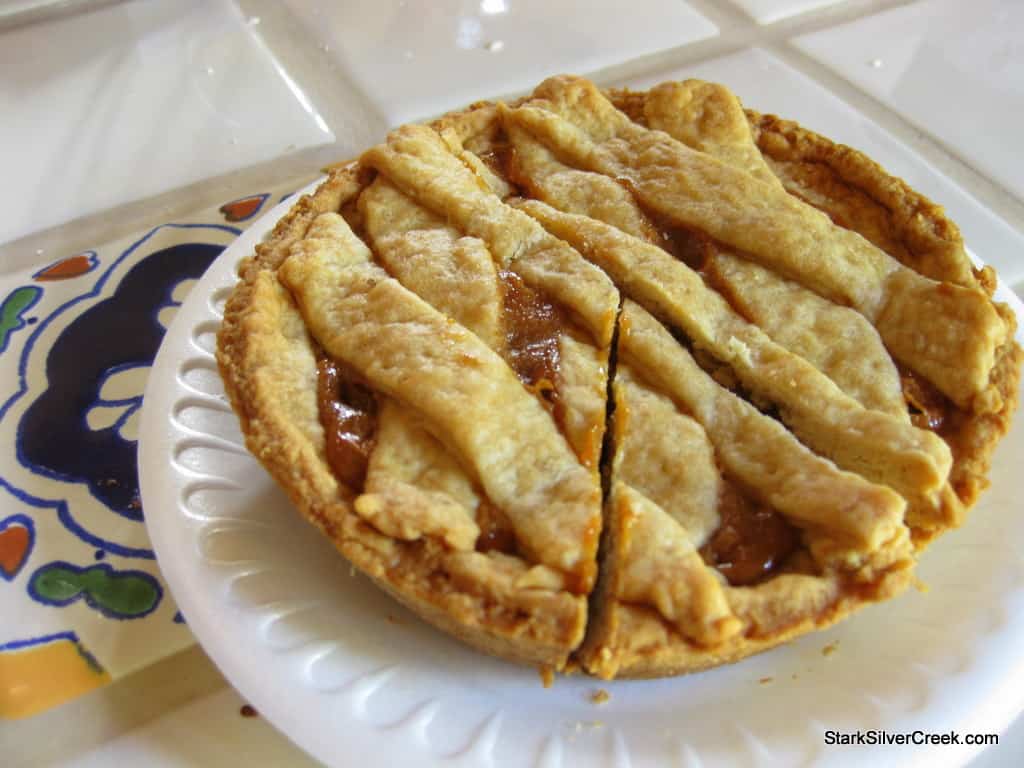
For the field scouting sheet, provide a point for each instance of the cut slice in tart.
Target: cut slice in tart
(764, 368)
(757, 540)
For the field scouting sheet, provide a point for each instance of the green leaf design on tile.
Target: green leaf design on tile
(18, 301)
(116, 594)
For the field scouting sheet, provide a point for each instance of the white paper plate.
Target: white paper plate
(356, 680)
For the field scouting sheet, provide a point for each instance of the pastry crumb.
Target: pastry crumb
(829, 649)
(920, 586)
(600, 696)
(392, 619)
(766, 680)
(547, 676)
(740, 350)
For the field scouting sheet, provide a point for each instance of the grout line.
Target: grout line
(738, 34)
(946, 159)
(98, 717)
(106, 226)
(724, 15)
(345, 107)
(829, 16)
(52, 11)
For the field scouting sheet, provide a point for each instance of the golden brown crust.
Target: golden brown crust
(245, 325)
(265, 354)
(858, 194)
(973, 437)
(651, 648)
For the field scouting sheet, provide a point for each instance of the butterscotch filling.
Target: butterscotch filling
(496, 532)
(929, 408)
(500, 158)
(751, 542)
(348, 413)
(690, 246)
(532, 329)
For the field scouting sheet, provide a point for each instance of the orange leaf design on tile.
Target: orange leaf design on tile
(243, 208)
(72, 266)
(15, 544)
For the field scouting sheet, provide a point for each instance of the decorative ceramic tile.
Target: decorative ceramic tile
(767, 84)
(770, 11)
(953, 68)
(417, 60)
(81, 597)
(113, 105)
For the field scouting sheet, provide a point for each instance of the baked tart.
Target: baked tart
(639, 382)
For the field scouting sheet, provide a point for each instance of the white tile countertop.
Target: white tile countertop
(117, 116)
(401, 52)
(136, 99)
(952, 69)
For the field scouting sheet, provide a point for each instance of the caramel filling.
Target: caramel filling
(532, 329)
(929, 408)
(348, 413)
(496, 531)
(751, 541)
(692, 247)
(500, 158)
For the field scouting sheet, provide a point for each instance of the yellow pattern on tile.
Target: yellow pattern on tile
(37, 678)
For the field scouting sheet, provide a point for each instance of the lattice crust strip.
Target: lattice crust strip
(490, 338)
(694, 189)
